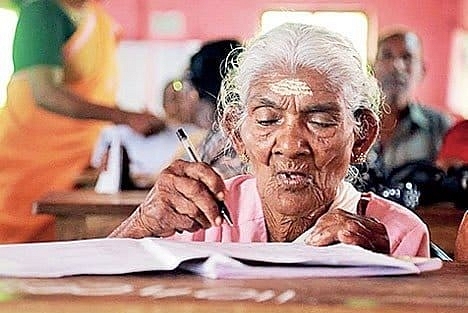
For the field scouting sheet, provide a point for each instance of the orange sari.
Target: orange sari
(41, 151)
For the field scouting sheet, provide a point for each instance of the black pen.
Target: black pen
(183, 138)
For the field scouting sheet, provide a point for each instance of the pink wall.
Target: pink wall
(433, 20)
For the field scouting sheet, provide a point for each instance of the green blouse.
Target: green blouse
(42, 30)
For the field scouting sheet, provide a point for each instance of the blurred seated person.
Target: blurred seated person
(184, 108)
(189, 103)
(410, 131)
(206, 70)
(298, 106)
(212, 149)
(61, 94)
(181, 104)
(147, 156)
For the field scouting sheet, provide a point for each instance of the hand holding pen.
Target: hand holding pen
(183, 138)
(186, 197)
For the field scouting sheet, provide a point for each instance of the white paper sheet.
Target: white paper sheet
(214, 260)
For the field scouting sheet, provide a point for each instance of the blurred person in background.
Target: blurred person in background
(145, 156)
(61, 94)
(411, 133)
(216, 58)
(188, 102)
(207, 68)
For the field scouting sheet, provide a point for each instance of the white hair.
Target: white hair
(290, 47)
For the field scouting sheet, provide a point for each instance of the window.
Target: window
(8, 19)
(352, 24)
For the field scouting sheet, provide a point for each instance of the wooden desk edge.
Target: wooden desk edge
(64, 209)
(72, 203)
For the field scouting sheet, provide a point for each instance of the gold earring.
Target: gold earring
(244, 158)
(360, 158)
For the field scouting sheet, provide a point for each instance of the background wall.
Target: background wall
(434, 20)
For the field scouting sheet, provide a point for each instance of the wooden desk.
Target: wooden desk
(445, 290)
(85, 214)
(443, 221)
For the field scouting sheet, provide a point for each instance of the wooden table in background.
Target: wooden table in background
(445, 290)
(83, 214)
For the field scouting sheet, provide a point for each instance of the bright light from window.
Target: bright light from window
(8, 19)
(353, 25)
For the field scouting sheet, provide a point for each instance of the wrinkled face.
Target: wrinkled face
(298, 136)
(399, 65)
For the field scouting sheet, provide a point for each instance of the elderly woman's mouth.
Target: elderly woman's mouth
(293, 179)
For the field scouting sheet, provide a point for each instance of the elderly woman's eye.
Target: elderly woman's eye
(322, 124)
(267, 122)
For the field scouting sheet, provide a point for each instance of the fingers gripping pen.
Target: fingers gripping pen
(183, 138)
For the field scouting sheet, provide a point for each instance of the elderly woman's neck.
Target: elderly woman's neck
(286, 228)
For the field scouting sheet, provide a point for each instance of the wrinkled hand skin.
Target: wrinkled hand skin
(182, 199)
(340, 226)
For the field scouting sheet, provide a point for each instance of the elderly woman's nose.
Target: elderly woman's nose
(291, 141)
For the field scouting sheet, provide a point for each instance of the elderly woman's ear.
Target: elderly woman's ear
(366, 134)
(230, 125)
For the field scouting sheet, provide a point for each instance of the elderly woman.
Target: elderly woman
(298, 107)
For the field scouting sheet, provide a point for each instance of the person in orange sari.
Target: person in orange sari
(61, 94)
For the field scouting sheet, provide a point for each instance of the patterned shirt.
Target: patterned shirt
(418, 136)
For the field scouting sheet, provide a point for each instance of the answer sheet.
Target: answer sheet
(214, 260)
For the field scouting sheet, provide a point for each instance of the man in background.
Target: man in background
(410, 131)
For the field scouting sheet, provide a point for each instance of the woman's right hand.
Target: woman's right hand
(182, 199)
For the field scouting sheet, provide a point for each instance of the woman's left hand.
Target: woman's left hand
(341, 226)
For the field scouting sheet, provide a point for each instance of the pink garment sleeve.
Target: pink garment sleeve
(407, 234)
(414, 243)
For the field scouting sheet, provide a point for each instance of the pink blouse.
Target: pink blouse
(408, 235)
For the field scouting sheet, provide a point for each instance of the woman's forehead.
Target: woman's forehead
(309, 84)
(300, 82)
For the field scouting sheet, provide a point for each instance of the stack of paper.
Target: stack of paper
(214, 260)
